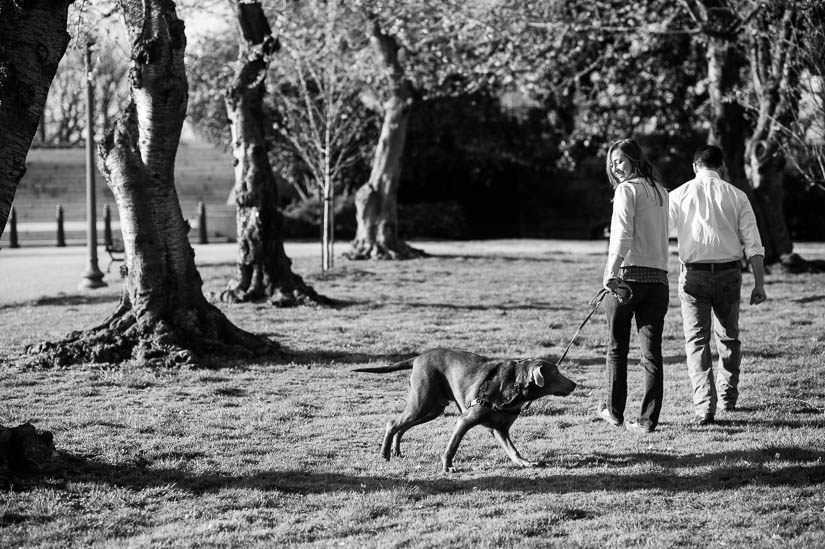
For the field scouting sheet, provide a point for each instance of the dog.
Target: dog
(488, 393)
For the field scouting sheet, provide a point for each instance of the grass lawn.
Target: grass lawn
(286, 452)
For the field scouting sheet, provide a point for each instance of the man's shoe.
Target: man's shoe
(729, 407)
(638, 428)
(703, 419)
(605, 414)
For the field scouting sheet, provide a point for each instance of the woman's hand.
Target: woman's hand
(619, 289)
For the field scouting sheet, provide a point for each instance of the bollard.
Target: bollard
(107, 227)
(13, 243)
(202, 237)
(61, 235)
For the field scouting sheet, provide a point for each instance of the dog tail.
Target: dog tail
(398, 366)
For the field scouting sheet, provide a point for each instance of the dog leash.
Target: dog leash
(594, 304)
(619, 290)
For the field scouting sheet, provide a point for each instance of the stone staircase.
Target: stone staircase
(57, 177)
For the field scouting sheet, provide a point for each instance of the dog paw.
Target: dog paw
(447, 465)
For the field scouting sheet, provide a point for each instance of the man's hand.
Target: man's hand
(758, 295)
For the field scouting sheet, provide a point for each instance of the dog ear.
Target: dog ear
(535, 373)
(529, 371)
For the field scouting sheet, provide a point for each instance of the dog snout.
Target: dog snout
(565, 386)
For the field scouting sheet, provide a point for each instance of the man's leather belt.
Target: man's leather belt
(712, 267)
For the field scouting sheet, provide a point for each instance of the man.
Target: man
(714, 222)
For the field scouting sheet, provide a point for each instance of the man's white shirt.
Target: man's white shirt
(713, 221)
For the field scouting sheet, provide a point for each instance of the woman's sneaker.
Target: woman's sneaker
(605, 414)
(638, 428)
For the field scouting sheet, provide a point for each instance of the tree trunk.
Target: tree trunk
(327, 222)
(376, 202)
(766, 171)
(23, 450)
(728, 129)
(33, 39)
(755, 162)
(264, 271)
(163, 318)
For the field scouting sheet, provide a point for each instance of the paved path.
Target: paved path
(35, 271)
(32, 272)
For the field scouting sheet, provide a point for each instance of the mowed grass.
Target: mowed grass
(285, 452)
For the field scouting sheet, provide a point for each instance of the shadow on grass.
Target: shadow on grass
(216, 264)
(534, 306)
(809, 299)
(575, 358)
(553, 258)
(323, 357)
(326, 357)
(411, 305)
(699, 473)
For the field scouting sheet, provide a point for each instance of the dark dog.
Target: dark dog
(489, 393)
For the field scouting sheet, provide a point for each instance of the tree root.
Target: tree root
(293, 292)
(279, 297)
(201, 336)
(383, 251)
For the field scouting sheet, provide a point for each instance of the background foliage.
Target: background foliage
(515, 102)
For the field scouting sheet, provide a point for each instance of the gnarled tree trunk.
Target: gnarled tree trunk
(163, 318)
(771, 61)
(376, 202)
(264, 271)
(33, 39)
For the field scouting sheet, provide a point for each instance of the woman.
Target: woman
(637, 254)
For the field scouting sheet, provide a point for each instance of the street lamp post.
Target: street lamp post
(92, 277)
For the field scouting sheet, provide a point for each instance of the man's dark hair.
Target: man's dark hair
(709, 156)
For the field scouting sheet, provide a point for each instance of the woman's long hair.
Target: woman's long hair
(642, 167)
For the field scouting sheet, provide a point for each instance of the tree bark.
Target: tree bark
(163, 318)
(264, 271)
(376, 202)
(33, 39)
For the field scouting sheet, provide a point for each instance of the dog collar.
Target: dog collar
(481, 396)
(483, 402)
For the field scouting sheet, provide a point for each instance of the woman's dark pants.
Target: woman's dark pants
(649, 306)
